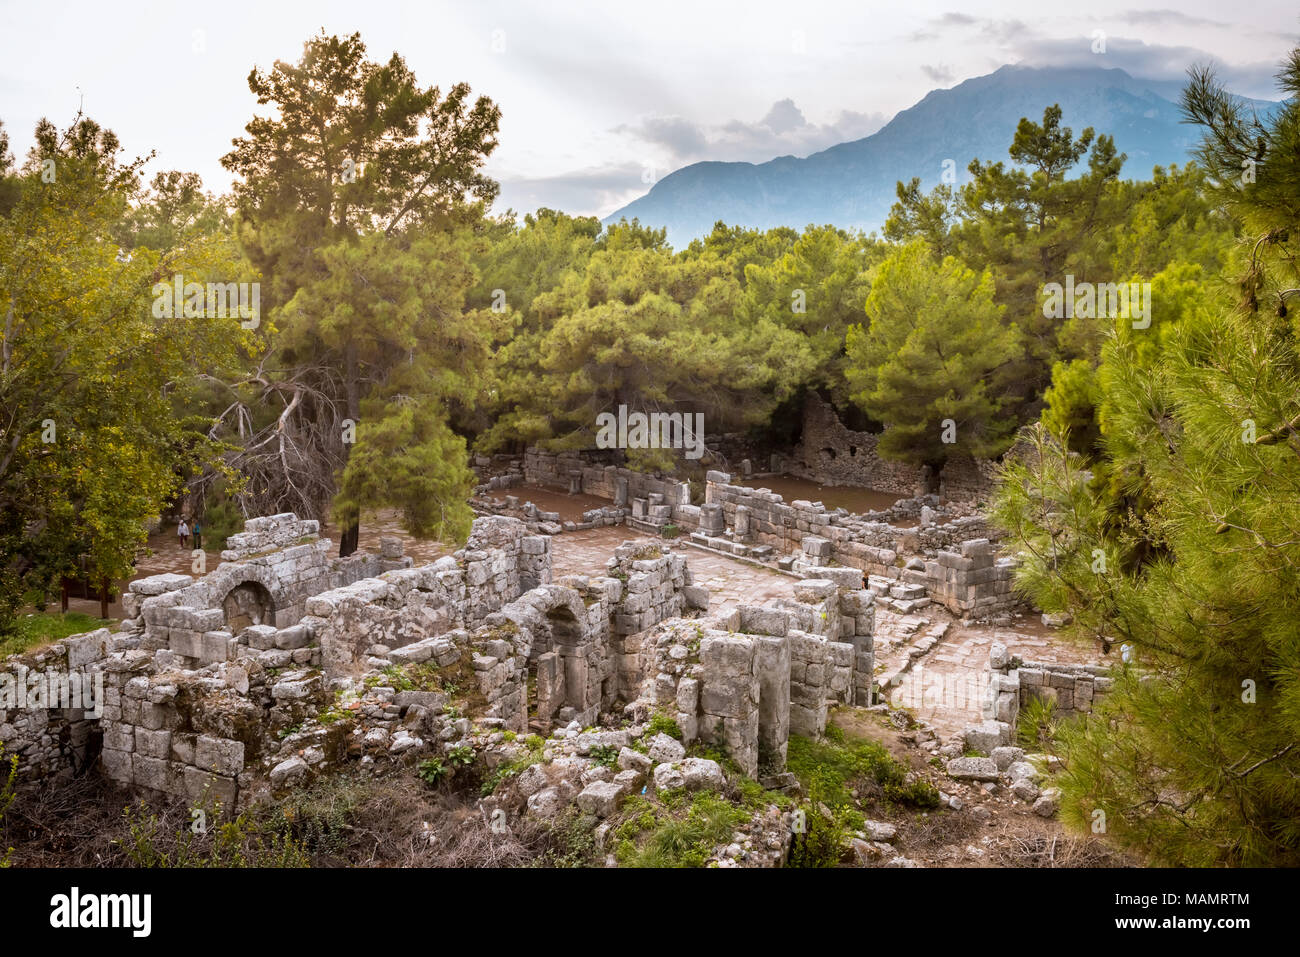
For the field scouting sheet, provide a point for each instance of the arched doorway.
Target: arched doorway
(248, 603)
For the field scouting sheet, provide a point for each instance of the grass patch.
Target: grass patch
(43, 627)
(680, 832)
(837, 766)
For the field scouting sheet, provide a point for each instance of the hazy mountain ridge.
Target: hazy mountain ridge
(852, 184)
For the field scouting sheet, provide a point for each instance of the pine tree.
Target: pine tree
(1194, 757)
(931, 363)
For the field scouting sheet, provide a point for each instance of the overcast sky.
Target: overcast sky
(597, 98)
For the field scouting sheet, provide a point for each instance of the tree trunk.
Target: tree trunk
(351, 534)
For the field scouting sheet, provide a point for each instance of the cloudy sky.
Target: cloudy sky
(600, 98)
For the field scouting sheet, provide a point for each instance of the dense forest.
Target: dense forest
(403, 327)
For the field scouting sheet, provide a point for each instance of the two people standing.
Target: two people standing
(183, 532)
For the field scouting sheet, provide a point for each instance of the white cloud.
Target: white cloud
(784, 130)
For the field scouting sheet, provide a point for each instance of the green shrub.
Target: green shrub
(431, 771)
(670, 838)
(7, 782)
(661, 723)
(220, 520)
(1037, 725)
(832, 769)
(41, 628)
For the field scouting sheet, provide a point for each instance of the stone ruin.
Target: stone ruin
(746, 680)
(949, 558)
(208, 697)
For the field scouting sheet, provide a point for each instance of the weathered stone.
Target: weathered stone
(668, 778)
(663, 748)
(973, 769)
(600, 798)
(701, 774)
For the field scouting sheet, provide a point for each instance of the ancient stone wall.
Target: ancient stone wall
(973, 582)
(966, 479)
(830, 454)
(51, 701)
(369, 668)
(746, 680)
(266, 578)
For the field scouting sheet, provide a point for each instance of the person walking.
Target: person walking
(183, 531)
(198, 534)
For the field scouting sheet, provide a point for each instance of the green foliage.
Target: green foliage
(221, 519)
(1037, 725)
(835, 768)
(935, 349)
(360, 206)
(408, 459)
(8, 779)
(1192, 754)
(509, 769)
(680, 835)
(573, 843)
(41, 628)
(663, 723)
(460, 756)
(605, 755)
(630, 324)
(432, 771)
(824, 839)
(96, 440)
(242, 841)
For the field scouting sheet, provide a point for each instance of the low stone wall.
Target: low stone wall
(51, 701)
(574, 472)
(973, 582)
(1014, 683)
(1071, 689)
(280, 703)
(265, 578)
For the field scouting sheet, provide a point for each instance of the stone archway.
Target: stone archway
(248, 603)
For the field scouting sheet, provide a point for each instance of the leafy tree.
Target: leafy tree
(742, 246)
(1031, 225)
(816, 289)
(92, 444)
(929, 217)
(348, 192)
(408, 459)
(636, 326)
(1183, 546)
(934, 349)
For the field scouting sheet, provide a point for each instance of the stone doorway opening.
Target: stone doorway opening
(248, 603)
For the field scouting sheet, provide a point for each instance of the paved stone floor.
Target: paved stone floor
(730, 582)
(946, 686)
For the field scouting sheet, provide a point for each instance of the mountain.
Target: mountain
(852, 185)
